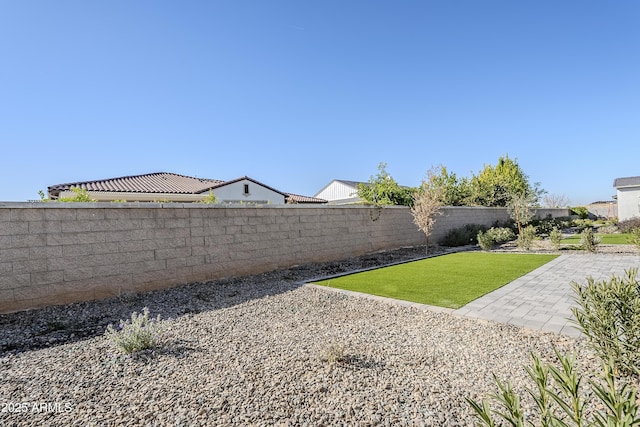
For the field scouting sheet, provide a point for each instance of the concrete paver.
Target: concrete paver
(543, 298)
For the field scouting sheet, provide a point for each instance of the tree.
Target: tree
(382, 190)
(555, 201)
(496, 186)
(427, 204)
(455, 192)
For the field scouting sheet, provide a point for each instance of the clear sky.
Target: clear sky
(297, 93)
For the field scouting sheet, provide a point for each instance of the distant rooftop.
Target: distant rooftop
(631, 181)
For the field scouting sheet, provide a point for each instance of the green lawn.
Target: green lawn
(607, 239)
(447, 281)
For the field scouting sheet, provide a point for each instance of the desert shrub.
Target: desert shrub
(488, 239)
(581, 211)
(634, 237)
(502, 234)
(556, 238)
(465, 235)
(608, 229)
(485, 240)
(526, 237)
(609, 316)
(141, 333)
(627, 225)
(333, 353)
(559, 400)
(589, 241)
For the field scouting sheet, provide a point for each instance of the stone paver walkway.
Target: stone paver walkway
(543, 298)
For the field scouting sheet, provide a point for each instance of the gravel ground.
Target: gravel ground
(251, 351)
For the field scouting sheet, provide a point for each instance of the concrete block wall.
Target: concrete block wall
(59, 253)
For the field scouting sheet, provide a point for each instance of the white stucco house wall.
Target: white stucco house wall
(628, 197)
(247, 190)
(339, 192)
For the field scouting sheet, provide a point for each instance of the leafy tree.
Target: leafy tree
(454, 191)
(496, 186)
(383, 190)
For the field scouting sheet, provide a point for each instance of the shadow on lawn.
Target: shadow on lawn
(57, 325)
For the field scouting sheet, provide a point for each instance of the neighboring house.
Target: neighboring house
(340, 192)
(628, 197)
(171, 187)
(603, 209)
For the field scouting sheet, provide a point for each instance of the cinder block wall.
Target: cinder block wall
(59, 253)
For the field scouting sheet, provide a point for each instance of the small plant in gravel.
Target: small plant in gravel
(139, 334)
(560, 399)
(609, 316)
(526, 237)
(333, 353)
(589, 241)
(555, 237)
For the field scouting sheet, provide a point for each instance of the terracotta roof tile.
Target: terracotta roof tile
(296, 198)
(160, 182)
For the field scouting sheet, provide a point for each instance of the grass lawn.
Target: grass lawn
(447, 281)
(607, 239)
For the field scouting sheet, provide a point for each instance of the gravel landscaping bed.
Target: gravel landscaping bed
(250, 351)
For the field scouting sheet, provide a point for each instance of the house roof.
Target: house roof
(167, 183)
(159, 182)
(296, 198)
(631, 181)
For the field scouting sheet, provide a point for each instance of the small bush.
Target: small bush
(556, 238)
(333, 353)
(138, 335)
(634, 237)
(629, 224)
(608, 229)
(589, 241)
(526, 237)
(502, 234)
(485, 240)
(465, 235)
(559, 400)
(609, 315)
(581, 211)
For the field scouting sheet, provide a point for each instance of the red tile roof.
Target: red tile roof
(160, 182)
(296, 198)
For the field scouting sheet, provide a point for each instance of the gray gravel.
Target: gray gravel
(248, 351)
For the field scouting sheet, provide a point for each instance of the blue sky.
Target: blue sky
(297, 93)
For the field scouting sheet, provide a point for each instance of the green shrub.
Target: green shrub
(634, 237)
(140, 334)
(581, 211)
(526, 237)
(485, 240)
(465, 235)
(609, 315)
(559, 400)
(556, 238)
(589, 241)
(502, 234)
